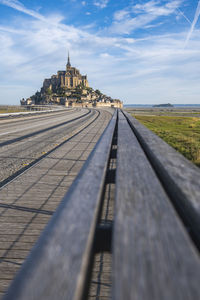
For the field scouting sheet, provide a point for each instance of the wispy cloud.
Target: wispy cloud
(17, 5)
(153, 7)
(137, 16)
(121, 14)
(101, 3)
(20, 7)
(185, 17)
(196, 17)
(137, 70)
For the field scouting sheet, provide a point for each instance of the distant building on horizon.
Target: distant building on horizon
(71, 78)
(70, 88)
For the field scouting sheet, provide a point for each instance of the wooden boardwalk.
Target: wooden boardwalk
(128, 228)
(28, 202)
(101, 279)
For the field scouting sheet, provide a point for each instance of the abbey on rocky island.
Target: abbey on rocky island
(70, 88)
(71, 78)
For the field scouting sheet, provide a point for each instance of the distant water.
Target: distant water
(151, 105)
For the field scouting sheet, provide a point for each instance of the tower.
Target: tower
(68, 62)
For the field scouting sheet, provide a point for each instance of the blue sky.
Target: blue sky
(140, 51)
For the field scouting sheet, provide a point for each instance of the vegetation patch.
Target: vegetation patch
(11, 109)
(182, 133)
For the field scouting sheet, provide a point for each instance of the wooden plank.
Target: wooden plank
(58, 265)
(32, 183)
(179, 176)
(153, 255)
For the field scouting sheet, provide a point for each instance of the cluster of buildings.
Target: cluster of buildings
(70, 88)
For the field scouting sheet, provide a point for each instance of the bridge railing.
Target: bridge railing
(154, 251)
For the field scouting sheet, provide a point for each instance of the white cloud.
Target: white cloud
(129, 24)
(146, 70)
(105, 55)
(153, 7)
(20, 7)
(153, 25)
(101, 3)
(137, 16)
(121, 14)
(184, 16)
(196, 17)
(17, 5)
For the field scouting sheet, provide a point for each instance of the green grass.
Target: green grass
(11, 109)
(182, 133)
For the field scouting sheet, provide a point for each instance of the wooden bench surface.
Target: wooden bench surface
(179, 176)
(153, 257)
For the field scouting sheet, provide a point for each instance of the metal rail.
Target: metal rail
(35, 161)
(28, 110)
(14, 140)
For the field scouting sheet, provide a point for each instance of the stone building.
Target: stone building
(70, 88)
(71, 78)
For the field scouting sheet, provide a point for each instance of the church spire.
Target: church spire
(68, 61)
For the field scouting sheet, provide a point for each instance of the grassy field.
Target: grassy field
(182, 133)
(11, 109)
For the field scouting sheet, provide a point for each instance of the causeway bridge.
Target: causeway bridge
(95, 206)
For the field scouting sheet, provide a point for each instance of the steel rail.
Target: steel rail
(35, 161)
(42, 131)
(5, 122)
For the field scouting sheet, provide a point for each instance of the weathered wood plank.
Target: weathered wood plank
(153, 255)
(179, 176)
(33, 188)
(58, 265)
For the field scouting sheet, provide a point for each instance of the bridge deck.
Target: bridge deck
(151, 236)
(28, 202)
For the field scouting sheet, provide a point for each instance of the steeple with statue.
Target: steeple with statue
(71, 78)
(68, 62)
